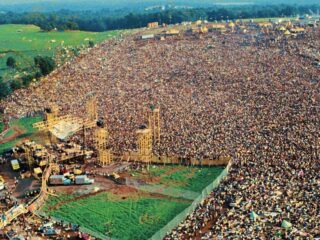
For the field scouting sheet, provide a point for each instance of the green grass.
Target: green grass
(26, 41)
(25, 124)
(130, 218)
(8, 133)
(184, 178)
(192, 178)
(140, 215)
(1, 127)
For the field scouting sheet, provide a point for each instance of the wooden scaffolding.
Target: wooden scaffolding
(104, 155)
(154, 125)
(145, 144)
(92, 109)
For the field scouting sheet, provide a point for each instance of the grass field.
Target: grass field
(26, 41)
(138, 213)
(183, 178)
(24, 125)
(129, 218)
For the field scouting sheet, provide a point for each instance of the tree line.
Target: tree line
(43, 65)
(103, 20)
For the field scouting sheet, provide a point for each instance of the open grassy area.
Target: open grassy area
(193, 178)
(138, 213)
(129, 218)
(180, 177)
(23, 42)
(24, 125)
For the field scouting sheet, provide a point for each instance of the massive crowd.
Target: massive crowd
(258, 103)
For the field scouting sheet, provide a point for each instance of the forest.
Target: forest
(104, 20)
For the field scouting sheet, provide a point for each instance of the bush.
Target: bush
(26, 80)
(5, 89)
(11, 62)
(15, 84)
(91, 44)
(45, 64)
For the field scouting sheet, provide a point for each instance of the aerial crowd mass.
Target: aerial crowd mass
(254, 99)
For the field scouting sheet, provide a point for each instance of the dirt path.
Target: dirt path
(16, 132)
(74, 199)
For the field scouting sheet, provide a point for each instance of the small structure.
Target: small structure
(287, 33)
(147, 37)
(197, 23)
(217, 27)
(297, 30)
(282, 29)
(231, 26)
(153, 25)
(172, 32)
(265, 24)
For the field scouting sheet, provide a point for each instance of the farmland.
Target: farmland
(23, 42)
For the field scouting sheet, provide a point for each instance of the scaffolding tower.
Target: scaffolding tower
(52, 113)
(92, 109)
(154, 124)
(29, 158)
(145, 144)
(104, 155)
(101, 138)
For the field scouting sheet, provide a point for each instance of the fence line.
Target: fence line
(183, 215)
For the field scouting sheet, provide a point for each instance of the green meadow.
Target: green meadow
(24, 42)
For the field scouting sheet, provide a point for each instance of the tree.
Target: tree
(4, 89)
(91, 44)
(26, 80)
(11, 62)
(15, 84)
(45, 64)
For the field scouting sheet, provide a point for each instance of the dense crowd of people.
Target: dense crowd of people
(257, 102)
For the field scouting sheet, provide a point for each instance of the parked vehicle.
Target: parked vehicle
(116, 178)
(83, 179)
(59, 180)
(15, 165)
(70, 179)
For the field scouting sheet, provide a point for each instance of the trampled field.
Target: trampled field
(23, 42)
(134, 211)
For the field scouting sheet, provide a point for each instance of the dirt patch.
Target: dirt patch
(124, 191)
(74, 199)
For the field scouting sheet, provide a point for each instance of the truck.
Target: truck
(59, 180)
(83, 179)
(15, 165)
(116, 178)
